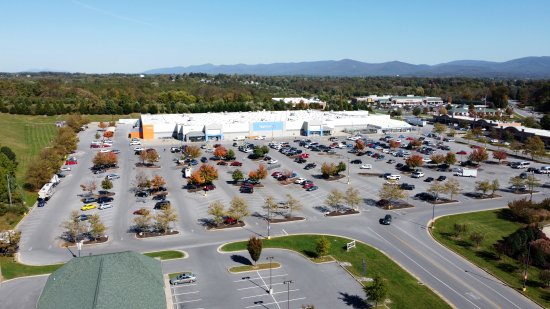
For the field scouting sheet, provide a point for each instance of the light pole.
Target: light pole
(526, 268)
(348, 169)
(268, 221)
(270, 258)
(433, 216)
(287, 282)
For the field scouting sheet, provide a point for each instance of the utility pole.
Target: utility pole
(268, 221)
(270, 258)
(287, 282)
(433, 216)
(348, 169)
(526, 272)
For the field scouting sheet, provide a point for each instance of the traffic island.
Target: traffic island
(481, 196)
(286, 219)
(370, 174)
(442, 201)
(247, 268)
(142, 235)
(332, 178)
(346, 212)
(394, 205)
(213, 226)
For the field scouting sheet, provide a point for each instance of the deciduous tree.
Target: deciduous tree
(450, 158)
(293, 205)
(106, 184)
(220, 152)
(208, 172)
(238, 208)
(262, 171)
(165, 217)
(376, 291)
(439, 128)
(359, 145)
(73, 227)
(478, 155)
(476, 238)
(237, 175)
(142, 223)
(391, 193)
(500, 155)
(217, 211)
(436, 189)
(254, 247)
(89, 186)
(270, 206)
(531, 183)
(452, 187)
(97, 228)
(414, 161)
(322, 247)
(437, 158)
(393, 144)
(334, 199)
(483, 186)
(534, 147)
(352, 197)
(192, 152)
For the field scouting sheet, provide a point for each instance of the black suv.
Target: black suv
(162, 204)
(406, 186)
(356, 161)
(104, 199)
(386, 220)
(142, 194)
(310, 166)
(425, 196)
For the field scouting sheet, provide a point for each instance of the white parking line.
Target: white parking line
(265, 304)
(194, 292)
(189, 301)
(265, 294)
(249, 279)
(256, 287)
(284, 232)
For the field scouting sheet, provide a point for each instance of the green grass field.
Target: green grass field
(494, 225)
(403, 289)
(11, 269)
(26, 136)
(166, 255)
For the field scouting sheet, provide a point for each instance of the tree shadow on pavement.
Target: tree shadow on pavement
(354, 301)
(240, 259)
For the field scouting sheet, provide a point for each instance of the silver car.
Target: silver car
(183, 278)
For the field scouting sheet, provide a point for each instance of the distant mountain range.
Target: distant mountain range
(528, 67)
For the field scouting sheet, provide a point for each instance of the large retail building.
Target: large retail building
(229, 126)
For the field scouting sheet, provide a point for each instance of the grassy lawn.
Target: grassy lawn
(11, 269)
(26, 136)
(245, 268)
(166, 255)
(403, 289)
(494, 225)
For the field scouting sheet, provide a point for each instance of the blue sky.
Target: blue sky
(133, 36)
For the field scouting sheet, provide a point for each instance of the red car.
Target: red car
(221, 163)
(304, 155)
(94, 146)
(308, 185)
(229, 221)
(236, 163)
(276, 174)
(209, 187)
(71, 162)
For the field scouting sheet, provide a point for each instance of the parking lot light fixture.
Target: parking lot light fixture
(270, 258)
(287, 282)
(348, 168)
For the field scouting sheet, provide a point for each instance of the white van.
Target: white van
(239, 138)
(523, 164)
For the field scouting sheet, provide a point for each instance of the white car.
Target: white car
(299, 180)
(104, 206)
(365, 166)
(426, 160)
(139, 149)
(393, 177)
(272, 161)
(135, 143)
(259, 138)
(494, 140)
(65, 169)
(417, 175)
(105, 150)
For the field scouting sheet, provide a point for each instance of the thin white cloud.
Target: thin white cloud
(111, 14)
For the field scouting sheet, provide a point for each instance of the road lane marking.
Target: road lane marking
(286, 234)
(273, 297)
(189, 301)
(424, 269)
(459, 268)
(194, 292)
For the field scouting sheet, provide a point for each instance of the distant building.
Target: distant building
(306, 101)
(123, 280)
(392, 100)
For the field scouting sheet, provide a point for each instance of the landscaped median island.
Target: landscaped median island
(479, 236)
(260, 266)
(404, 290)
(166, 255)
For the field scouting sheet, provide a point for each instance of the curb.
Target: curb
(428, 230)
(247, 271)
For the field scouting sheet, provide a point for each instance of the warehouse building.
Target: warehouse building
(269, 124)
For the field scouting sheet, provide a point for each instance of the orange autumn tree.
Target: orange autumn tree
(208, 172)
(262, 171)
(220, 152)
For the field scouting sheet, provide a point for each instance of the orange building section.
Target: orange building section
(135, 134)
(147, 131)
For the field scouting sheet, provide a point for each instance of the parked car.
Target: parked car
(299, 180)
(112, 176)
(221, 163)
(229, 220)
(141, 212)
(209, 187)
(82, 217)
(391, 161)
(104, 206)
(142, 193)
(104, 199)
(310, 166)
(356, 161)
(100, 171)
(406, 186)
(194, 162)
(393, 177)
(429, 179)
(312, 188)
(365, 166)
(417, 174)
(246, 189)
(272, 161)
(523, 175)
(183, 278)
(308, 185)
(441, 178)
(88, 200)
(65, 169)
(425, 196)
(162, 204)
(236, 163)
(88, 207)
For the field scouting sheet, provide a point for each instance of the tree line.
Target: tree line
(57, 93)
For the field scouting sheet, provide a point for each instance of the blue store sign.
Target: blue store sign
(267, 126)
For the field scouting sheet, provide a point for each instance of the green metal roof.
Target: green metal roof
(115, 280)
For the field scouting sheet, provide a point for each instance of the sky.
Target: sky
(131, 36)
